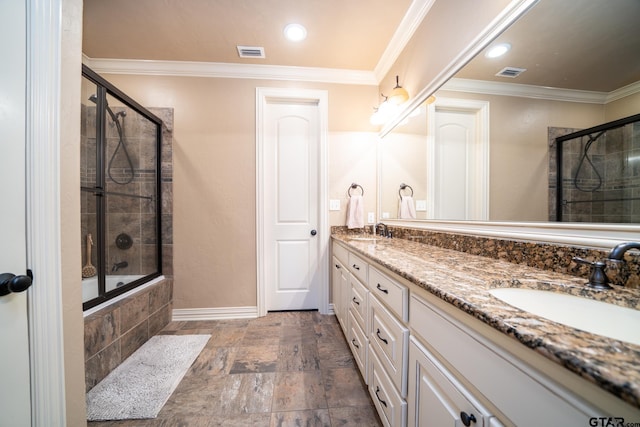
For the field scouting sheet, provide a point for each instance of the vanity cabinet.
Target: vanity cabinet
(357, 329)
(427, 363)
(389, 339)
(437, 398)
(523, 395)
(339, 286)
(388, 342)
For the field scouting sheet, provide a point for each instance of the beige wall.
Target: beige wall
(518, 153)
(73, 324)
(449, 27)
(214, 175)
(622, 108)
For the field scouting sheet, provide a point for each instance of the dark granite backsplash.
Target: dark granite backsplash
(546, 256)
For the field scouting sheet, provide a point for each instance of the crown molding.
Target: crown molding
(408, 26)
(230, 71)
(623, 92)
(524, 91)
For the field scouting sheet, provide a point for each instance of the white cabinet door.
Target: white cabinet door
(435, 397)
(339, 287)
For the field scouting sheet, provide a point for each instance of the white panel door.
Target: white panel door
(291, 154)
(454, 165)
(15, 407)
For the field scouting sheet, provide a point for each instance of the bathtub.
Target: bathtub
(90, 285)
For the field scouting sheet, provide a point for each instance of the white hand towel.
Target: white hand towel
(407, 209)
(355, 212)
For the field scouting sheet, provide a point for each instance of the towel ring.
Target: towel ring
(404, 186)
(354, 186)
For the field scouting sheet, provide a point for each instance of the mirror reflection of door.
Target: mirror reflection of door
(458, 160)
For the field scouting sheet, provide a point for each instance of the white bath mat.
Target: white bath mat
(142, 384)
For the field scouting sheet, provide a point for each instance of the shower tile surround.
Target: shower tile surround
(129, 214)
(612, 155)
(446, 269)
(116, 331)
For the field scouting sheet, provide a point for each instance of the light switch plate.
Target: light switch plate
(421, 205)
(385, 215)
(371, 217)
(334, 204)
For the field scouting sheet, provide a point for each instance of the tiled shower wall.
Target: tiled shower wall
(115, 332)
(132, 216)
(616, 158)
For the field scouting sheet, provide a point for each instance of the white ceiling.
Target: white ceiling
(591, 45)
(576, 44)
(342, 34)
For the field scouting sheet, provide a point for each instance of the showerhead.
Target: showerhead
(93, 98)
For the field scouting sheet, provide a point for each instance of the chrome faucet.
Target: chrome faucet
(384, 232)
(118, 265)
(618, 252)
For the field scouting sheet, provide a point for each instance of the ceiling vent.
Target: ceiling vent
(250, 52)
(511, 72)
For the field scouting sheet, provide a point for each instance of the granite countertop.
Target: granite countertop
(464, 281)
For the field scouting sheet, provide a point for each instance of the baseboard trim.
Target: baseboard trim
(331, 309)
(218, 313)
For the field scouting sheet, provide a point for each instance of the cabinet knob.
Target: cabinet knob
(467, 419)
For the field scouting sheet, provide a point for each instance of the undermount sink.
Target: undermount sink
(592, 316)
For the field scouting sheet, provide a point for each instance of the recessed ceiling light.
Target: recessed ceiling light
(498, 50)
(295, 32)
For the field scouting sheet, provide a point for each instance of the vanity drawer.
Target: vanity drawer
(390, 340)
(391, 407)
(341, 253)
(358, 267)
(358, 302)
(390, 293)
(359, 345)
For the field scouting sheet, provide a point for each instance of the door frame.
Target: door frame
(481, 111)
(44, 243)
(263, 96)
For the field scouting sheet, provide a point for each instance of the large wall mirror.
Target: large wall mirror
(481, 150)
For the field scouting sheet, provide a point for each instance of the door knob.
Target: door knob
(314, 232)
(11, 283)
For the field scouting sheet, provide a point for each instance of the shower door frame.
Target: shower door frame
(104, 88)
(585, 132)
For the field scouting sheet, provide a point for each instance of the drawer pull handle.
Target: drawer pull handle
(381, 339)
(338, 266)
(467, 419)
(381, 401)
(381, 289)
(355, 301)
(355, 343)
(356, 267)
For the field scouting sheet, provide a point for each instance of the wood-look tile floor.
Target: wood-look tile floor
(284, 369)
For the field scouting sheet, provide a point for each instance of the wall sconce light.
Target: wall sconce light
(398, 94)
(382, 112)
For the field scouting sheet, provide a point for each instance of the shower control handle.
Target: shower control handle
(10, 283)
(314, 232)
